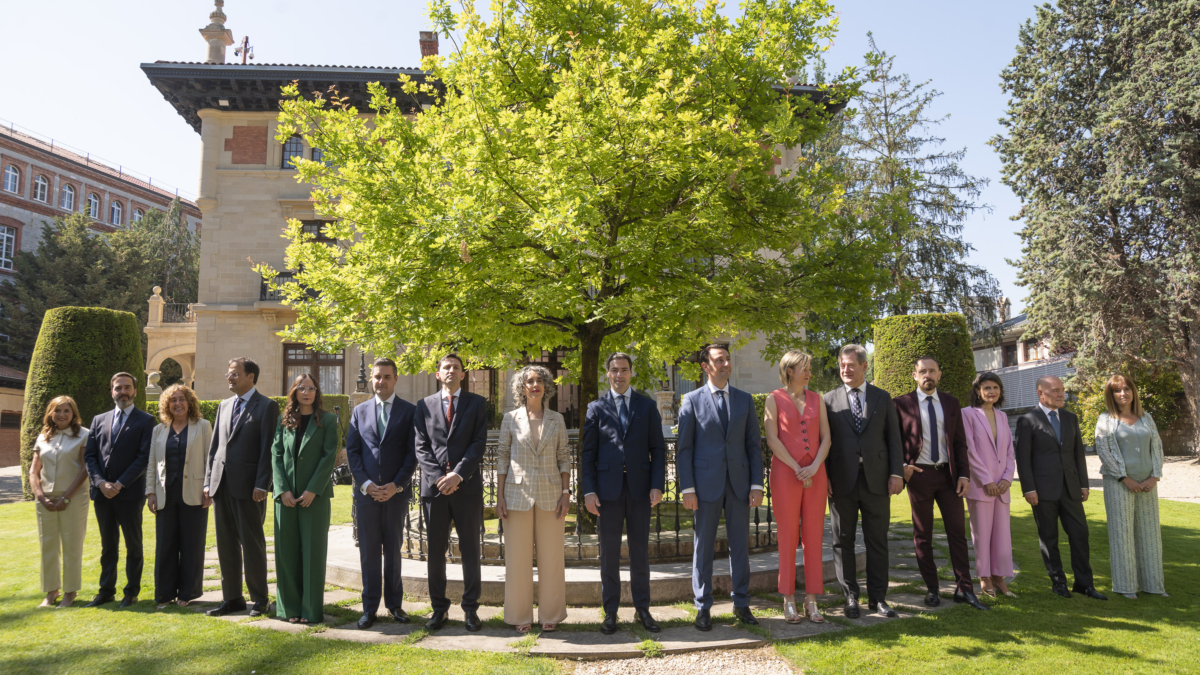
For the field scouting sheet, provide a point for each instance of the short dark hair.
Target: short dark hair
(706, 351)
(454, 356)
(926, 357)
(385, 361)
(249, 366)
(977, 386)
(132, 379)
(618, 355)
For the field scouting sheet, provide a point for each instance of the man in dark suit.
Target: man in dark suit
(379, 449)
(1054, 478)
(864, 466)
(622, 471)
(451, 434)
(936, 469)
(116, 455)
(238, 479)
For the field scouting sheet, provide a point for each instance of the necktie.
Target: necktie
(381, 422)
(120, 422)
(934, 455)
(856, 410)
(1055, 423)
(237, 411)
(624, 412)
(450, 413)
(722, 412)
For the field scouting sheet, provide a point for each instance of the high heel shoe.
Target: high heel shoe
(789, 612)
(814, 615)
(990, 592)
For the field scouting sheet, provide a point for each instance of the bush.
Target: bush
(1161, 392)
(78, 349)
(900, 340)
(208, 409)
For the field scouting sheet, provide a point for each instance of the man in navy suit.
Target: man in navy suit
(622, 471)
(117, 452)
(379, 449)
(451, 434)
(719, 459)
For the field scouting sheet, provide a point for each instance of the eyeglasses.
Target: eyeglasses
(306, 390)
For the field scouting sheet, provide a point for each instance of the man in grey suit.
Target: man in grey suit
(865, 468)
(237, 480)
(719, 459)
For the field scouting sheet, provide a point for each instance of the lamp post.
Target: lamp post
(361, 385)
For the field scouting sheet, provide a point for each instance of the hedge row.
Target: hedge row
(208, 410)
(900, 340)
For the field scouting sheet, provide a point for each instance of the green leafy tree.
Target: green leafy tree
(171, 253)
(1102, 144)
(592, 175)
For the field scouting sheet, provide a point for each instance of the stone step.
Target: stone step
(453, 637)
(588, 645)
(779, 629)
(682, 639)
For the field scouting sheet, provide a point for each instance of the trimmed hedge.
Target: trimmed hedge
(78, 349)
(208, 409)
(900, 340)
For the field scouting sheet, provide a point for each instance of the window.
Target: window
(67, 200)
(94, 206)
(317, 229)
(1009, 356)
(41, 189)
(137, 216)
(318, 155)
(8, 246)
(327, 368)
(12, 178)
(293, 149)
(115, 213)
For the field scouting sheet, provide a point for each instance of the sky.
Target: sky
(72, 75)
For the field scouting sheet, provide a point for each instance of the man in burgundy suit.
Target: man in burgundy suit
(936, 470)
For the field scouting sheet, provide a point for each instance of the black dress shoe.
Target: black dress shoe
(1091, 592)
(472, 621)
(260, 608)
(646, 620)
(227, 607)
(128, 601)
(881, 609)
(366, 621)
(932, 599)
(851, 609)
(971, 599)
(743, 614)
(609, 625)
(399, 615)
(101, 599)
(703, 620)
(1061, 589)
(436, 620)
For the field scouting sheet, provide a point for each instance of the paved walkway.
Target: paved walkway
(1180, 481)
(10, 485)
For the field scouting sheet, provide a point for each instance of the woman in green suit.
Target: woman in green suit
(303, 454)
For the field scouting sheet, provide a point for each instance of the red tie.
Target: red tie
(450, 413)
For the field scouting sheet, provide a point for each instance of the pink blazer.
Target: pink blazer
(992, 460)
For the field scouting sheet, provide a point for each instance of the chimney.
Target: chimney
(1003, 307)
(429, 43)
(216, 35)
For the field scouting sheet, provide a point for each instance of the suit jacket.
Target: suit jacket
(1046, 465)
(879, 445)
(240, 457)
(912, 420)
(122, 459)
(310, 470)
(705, 455)
(533, 471)
(458, 449)
(992, 459)
(607, 455)
(391, 459)
(199, 438)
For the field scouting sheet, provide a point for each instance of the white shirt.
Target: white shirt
(926, 455)
(712, 390)
(862, 396)
(389, 404)
(446, 401)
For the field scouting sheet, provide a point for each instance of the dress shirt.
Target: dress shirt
(926, 456)
(712, 390)
(117, 415)
(388, 405)
(245, 402)
(862, 395)
(446, 406)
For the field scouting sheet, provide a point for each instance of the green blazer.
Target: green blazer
(312, 469)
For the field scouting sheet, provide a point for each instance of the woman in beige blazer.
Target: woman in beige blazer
(533, 495)
(175, 495)
(55, 477)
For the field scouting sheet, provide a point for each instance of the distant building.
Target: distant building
(1004, 350)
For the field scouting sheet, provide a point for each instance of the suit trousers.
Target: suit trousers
(1046, 515)
(633, 516)
(992, 536)
(737, 529)
(116, 519)
(925, 488)
(301, 548)
(63, 530)
(876, 516)
(240, 535)
(522, 531)
(380, 550)
(465, 511)
(800, 513)
(181, 530)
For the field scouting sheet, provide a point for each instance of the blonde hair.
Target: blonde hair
(49, 428)
(164, 403)
(519, 378)
(793, 359)
(1110, 401)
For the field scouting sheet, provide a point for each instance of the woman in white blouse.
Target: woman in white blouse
(56, 476)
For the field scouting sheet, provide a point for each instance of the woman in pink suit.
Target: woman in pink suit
(993, 463)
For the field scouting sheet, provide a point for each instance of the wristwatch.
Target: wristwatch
(66, 500)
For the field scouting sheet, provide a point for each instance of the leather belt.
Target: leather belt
(936, 467)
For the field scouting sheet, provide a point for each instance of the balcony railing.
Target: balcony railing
(266, 294)
(1020, 382)
(178, 313)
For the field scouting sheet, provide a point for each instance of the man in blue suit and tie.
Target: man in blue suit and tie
(622, 472)
(379, 449)
(719, 460)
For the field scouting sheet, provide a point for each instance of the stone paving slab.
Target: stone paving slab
(912, 576)
(587, 645)
(780, 629)
(334, 597)
(381, 633)
(726, 606)
(284, 626)
(868, 619)
(408, 607)
(914, 602)
(457, 637)
(688, 639)
(628, 614)
(455, 613)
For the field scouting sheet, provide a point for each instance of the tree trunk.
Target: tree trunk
(590, 339)
(1190, 376)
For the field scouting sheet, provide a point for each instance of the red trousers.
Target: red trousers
(800, 516)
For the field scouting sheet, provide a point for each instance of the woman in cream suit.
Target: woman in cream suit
(56, 476)
(993, 463)
(533, 496)
(175, 495)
